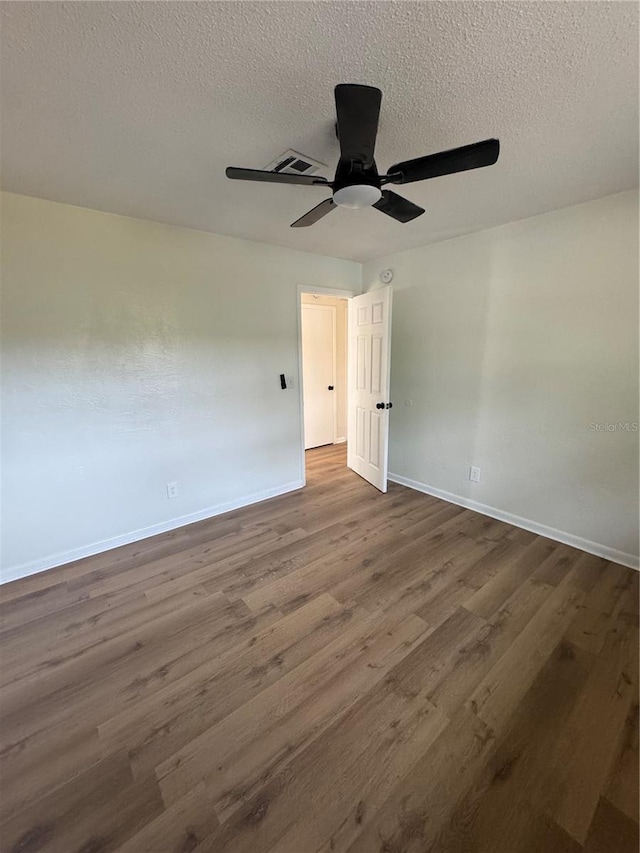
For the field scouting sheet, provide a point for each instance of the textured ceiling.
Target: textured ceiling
(136, 108)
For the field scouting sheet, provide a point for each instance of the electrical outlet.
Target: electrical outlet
(474, 474)
(172, 490)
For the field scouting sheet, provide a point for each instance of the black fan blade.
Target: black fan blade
(237, 174)
(357, 109)
(446, 162)
(397, 207)
(315, 213)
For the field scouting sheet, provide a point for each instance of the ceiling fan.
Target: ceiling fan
(357, 183)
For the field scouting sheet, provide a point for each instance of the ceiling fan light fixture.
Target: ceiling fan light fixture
(357, 196)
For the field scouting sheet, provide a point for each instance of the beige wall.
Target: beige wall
(136, 354)
(509, 347)
(341, 356)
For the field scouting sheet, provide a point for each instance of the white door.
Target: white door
(369, 378)
(318, 374)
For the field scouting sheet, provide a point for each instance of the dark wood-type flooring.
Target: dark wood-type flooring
(330, 670)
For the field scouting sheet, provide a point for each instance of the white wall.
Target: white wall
(136, 354)
(510, 343)
(341, 306)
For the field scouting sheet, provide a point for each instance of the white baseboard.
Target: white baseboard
(340, 440)
(54, 560)
(63, 557)
(612, 554)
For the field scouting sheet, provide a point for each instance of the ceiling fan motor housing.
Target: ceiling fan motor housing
(356, 184)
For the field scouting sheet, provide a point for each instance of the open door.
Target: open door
(368, 385)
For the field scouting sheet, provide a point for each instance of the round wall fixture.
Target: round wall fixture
(386, 276)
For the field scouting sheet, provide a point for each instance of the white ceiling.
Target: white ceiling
(137, 107)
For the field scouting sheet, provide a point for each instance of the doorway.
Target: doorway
(324, 369)
(322, 354)
(344, 371)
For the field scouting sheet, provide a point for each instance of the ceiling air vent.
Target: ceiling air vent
(294, 163)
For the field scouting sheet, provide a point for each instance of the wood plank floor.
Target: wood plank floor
(330, 670)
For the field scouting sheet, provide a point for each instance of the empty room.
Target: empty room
(319, 427)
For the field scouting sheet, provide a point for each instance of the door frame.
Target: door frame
(320, 291)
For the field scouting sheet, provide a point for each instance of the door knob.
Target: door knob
(389, 405)
(330, 388)
(379, 405)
